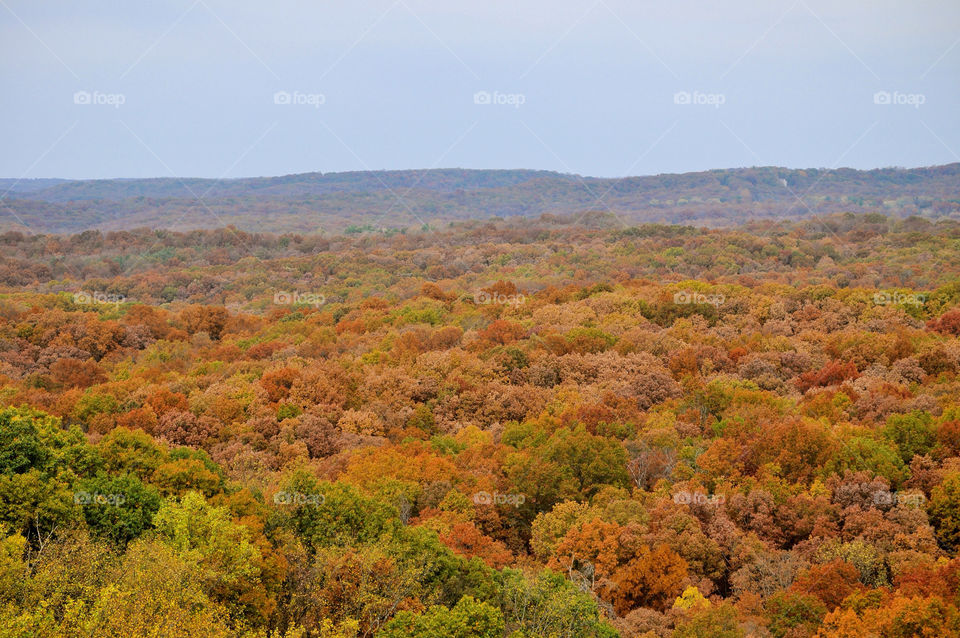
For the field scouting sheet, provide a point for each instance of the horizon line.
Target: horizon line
(456, 168)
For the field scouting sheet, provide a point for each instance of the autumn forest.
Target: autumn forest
(554, 426)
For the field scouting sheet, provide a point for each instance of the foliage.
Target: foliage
(518, 428)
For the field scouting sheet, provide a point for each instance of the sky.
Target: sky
(607, 88)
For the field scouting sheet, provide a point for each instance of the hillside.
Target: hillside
(526, 427)
(377, 200)
(11, 185)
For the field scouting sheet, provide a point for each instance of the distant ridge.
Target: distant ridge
(373, 200)
(296, 185)
(28, 185)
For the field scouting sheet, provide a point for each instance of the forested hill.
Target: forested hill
(290, 186)
(379, 200)
(12, 185)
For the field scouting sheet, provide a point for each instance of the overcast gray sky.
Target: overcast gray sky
(214, 88)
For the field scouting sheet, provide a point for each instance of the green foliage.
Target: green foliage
(876, 456)
(20, 445)
(446, 444)
(944, 510)
(418, 550)
(468, 619)
(131, 451)
(327, 514)
(914, 434)
(590, 461)
(32, 440)
(118, 508)
(794, 614)
(14, 570)
(288, 411)
(550, 605)
(206, 538)
(589, 340)
(38, 463)
(93, 404)
(423, 419)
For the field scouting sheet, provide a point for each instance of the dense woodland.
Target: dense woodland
(552, 427)
(403, 200)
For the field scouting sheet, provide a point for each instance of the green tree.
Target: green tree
(39, 460)
(913, 434)
(118, 508)
(794, 614)
(591, 461)
(862, 453)
(467, 619)
(944, 510)
(548, 604)
(325, 514)
(205, 536)
(133, 451)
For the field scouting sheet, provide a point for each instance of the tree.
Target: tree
(833, 373)
(592, 461)
(794, 614)
(948, 323)
(502, 332)
(326, 514)
(715, 621)
(118, 508)
(74, 373)
(591, 549)
(465, 539)
(879, 457)
(652, 578)
(550, 605)
(469, 618)
(364, 585)
(156, 591)
(549, 527)
(209, 319)
(944, 510)
(898, 617)
(131, 451)
(648, 464)
(221, 550)
(831, 582)
(14, 570)
(542, 482)
(278, 382)
(39, 461)
(948, 435)
(914, 434)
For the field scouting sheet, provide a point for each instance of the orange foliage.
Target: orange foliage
(466, 540)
